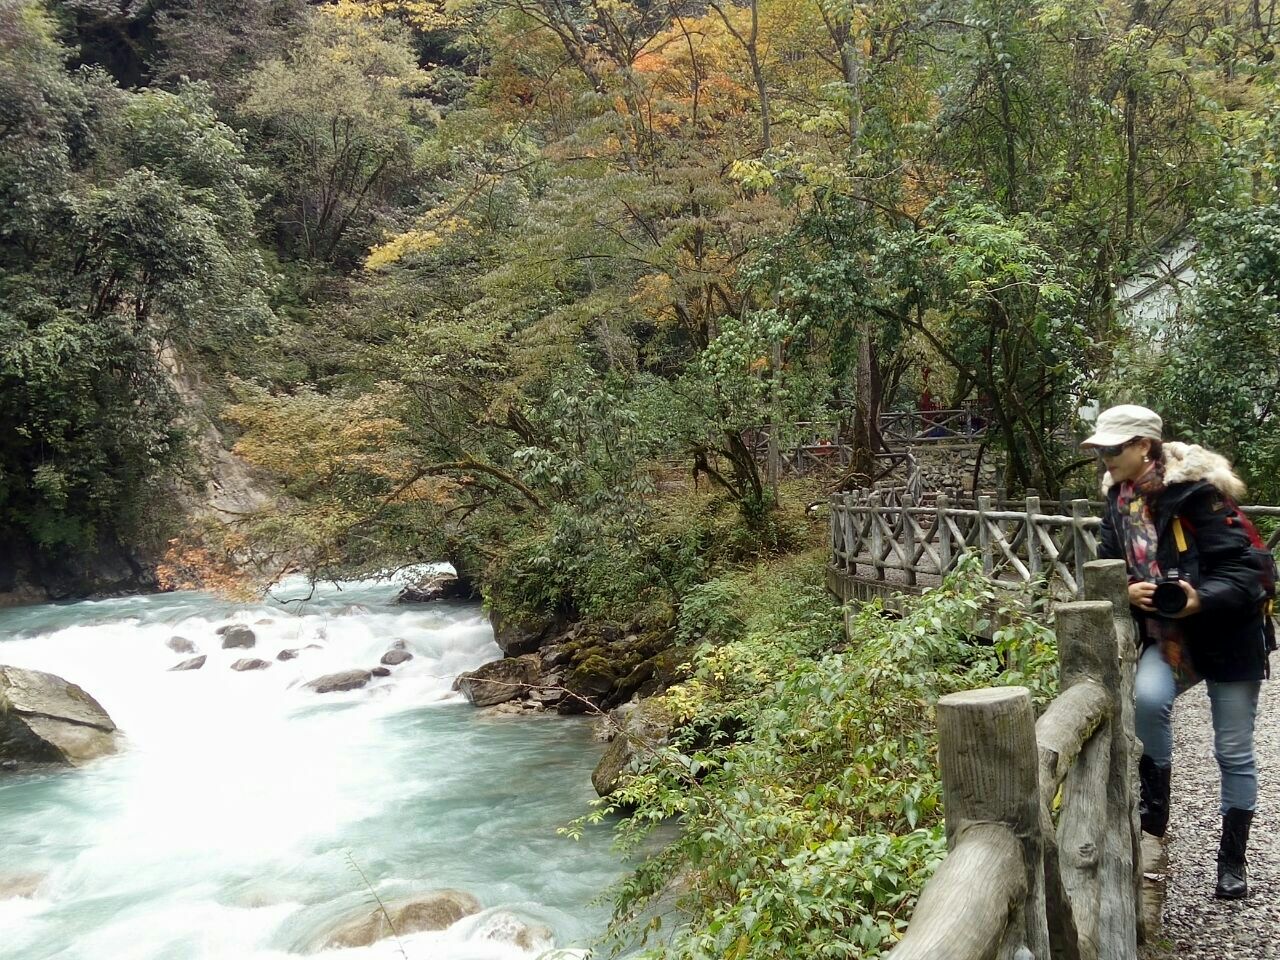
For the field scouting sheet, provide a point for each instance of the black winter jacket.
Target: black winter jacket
(1226, 637)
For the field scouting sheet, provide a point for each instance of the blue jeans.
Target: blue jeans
(1234, 706)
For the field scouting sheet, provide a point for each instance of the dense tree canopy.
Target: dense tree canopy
(128, 229)
(708, 216)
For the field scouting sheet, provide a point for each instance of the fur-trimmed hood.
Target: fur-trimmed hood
(1187, 462)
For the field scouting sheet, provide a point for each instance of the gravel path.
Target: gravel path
(1199, 927)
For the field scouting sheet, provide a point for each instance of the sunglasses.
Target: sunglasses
(1108, 452)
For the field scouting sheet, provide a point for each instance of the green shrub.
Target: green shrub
(804, 782)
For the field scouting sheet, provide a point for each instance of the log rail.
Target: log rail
(1044, 860)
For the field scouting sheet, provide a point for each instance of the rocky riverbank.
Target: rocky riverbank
(609, 670)
(573, 668)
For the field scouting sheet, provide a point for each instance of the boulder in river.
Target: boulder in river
(437, 910)
(505, 927)
(180, 645)
(498, 681)
(235, 635)
(394, 658)
(521, 636)
(14, 885)
(645, 726)
(380, 672)
(45, 719)
(335, 682)
(250, 663)
(287, 655)
(440, 586)
(195, 663)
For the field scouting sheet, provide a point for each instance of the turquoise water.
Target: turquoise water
(231, 825)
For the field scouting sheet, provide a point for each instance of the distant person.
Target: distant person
(1196, 597)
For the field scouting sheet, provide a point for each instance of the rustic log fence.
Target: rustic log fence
(892, 537)
(1044, 860)
(934, 426)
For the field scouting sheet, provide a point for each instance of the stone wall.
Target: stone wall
(950, 465)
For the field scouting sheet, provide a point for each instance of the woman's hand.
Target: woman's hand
(1140, 595)
(1193, 600)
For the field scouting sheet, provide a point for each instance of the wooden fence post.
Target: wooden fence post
(851, 547)
(836, 523)
(942, 505)
(1079, 554)
(1109, 580)
(989, 759)
(984, 535)
(1097, 858)
(1034, 562)
(877, 536)
(909, 537)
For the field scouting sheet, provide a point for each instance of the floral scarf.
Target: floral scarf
(1138, 532)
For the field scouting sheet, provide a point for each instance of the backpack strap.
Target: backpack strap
(1179, 537)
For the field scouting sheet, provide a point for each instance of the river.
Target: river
(236, 822)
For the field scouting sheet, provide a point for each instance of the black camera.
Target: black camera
(1169, 598)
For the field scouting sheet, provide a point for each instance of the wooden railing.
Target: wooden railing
(1044, 860)
(877, 535)
(934, 426)
(871, 538)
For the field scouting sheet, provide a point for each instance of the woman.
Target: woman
(1171, 516)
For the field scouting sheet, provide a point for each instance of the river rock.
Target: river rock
(557, 656)
(334, 682)
(394, 658)
(13, 885)
(250, 663)
(45, 719)
(380, 672)
(644, 726)
(235, 635)
(180, 645)
(517, 636)
(195, 663)
(399, 645)
(506, 927)
(440, 586)
(287, 655)
(591, 684)
(498, 681)
(546, 696)
(437, 910)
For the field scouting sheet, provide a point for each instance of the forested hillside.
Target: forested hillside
(447, 268)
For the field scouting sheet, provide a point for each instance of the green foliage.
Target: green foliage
(127, 227)
(1218, 373)
(803, 775)
(336, 119)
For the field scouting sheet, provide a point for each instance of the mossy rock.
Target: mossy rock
(648, 725)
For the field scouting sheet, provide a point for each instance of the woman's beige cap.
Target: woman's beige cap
(1117, 424)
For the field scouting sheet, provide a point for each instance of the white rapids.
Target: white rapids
(240, 817)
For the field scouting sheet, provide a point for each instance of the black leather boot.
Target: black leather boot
(1233, 884)
(1154, 805)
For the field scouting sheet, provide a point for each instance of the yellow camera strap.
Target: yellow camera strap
(1179, 537)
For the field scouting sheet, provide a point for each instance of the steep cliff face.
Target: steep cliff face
(228, 487)
(222, 488)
